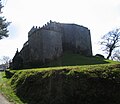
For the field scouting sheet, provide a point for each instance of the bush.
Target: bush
(8, 74)
(99, 55)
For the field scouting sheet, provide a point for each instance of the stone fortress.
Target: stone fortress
(50, 42)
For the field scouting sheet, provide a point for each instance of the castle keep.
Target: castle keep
(50, 42)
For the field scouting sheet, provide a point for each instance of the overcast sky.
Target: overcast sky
(100, 16)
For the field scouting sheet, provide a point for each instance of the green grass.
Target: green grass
(70, 59)
(35, 83)
(68, 65)
(8, 86)
(5, 88)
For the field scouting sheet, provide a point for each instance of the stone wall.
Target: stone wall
(25, 55)
(45, 45)
(77, 39)
(36, 46)
(52, 44)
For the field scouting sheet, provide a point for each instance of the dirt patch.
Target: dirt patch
(3, 100)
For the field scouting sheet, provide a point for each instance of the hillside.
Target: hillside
(96, 84)
(70, 59)
(86, 80)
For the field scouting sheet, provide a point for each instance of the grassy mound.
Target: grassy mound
(95, 84)
(70, 59)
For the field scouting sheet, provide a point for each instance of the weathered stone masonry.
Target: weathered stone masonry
(51, 41)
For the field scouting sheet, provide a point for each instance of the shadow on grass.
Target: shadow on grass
(68, 59)
(73, 60)
(70, 87)
(8, 74)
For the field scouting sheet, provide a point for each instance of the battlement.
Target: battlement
(33, 29)
(55, 26)
(52, 26)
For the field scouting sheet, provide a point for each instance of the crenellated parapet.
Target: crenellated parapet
(33, 29)
(52, 26)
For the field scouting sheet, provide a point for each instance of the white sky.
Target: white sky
(100, 16)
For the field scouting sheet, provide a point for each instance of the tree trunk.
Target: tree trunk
(111, 49)
(110, 53)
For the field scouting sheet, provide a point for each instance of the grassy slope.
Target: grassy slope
(5, 88)
(70, 59)
(23, 80)
(91, 84)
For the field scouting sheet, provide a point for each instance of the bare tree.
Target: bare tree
(116, 55)
(5, 61)
(111, 41)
